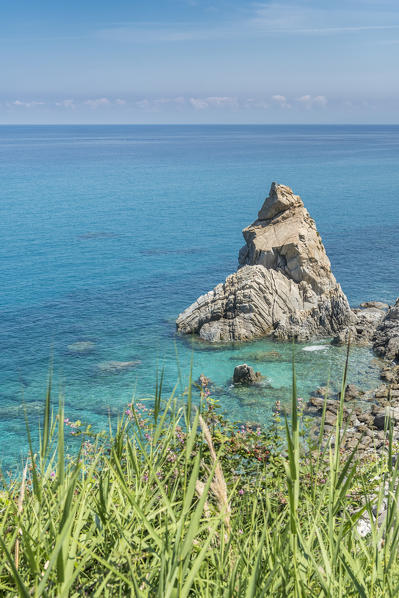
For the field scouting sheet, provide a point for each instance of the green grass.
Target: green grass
(177, 502)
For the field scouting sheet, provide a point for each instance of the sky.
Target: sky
(199, 61)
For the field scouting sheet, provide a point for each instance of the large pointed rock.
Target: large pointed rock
(284, 286)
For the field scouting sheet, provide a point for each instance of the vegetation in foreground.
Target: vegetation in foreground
(179, 503)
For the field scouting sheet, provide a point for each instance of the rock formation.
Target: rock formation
(386, 337)
(283, 287)
(364, 324)
(244, 374)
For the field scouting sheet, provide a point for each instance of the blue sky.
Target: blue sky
(199, 61)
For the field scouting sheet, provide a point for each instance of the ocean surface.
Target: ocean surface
(108, 232)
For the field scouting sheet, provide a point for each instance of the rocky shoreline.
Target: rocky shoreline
(364, 428)
(366, 414)
(284, 288)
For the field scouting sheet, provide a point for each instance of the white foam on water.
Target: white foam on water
(315, 348)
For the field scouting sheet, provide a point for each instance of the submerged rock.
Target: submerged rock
(114, 367)
(261, 356)
(284, 286)
(81, 347)
(244, 374)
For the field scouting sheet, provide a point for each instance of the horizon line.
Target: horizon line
(130, 124)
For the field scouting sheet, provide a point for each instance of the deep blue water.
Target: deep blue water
(108, 232)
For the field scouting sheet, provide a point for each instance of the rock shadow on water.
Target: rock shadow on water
(261, 394)
(23, 381)
(260, 356)
(196, 343)
(16, 409)
(105, 409)
(93, 235)
(116, 367)
(81, 347)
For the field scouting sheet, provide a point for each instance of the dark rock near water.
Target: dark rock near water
(363, 428)
(324, 391)
(375, 304)
(244, 374)
(386, 336)
(383, 417)
(352, 392)
(381, 392)
(364, 324)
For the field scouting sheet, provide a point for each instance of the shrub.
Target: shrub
(178, 502)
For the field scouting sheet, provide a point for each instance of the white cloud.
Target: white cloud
(97, 103)
(320, 100)
(199, 104)
(214, 102)
(66, 104)
(310, 101)
(222, 101)
(120, 102)
(27, 104)
(281, 101)
(204, 103)
(156, 104)
(143, 104)
(178, 101)
(253, 103)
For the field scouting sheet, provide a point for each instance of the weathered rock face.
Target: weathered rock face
(386, 337)
(284, 238)
(244, 374)
(364, 324)
(284, 286)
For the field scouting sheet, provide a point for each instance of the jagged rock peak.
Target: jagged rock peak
(280, 198)
(283, 287)
(285, 238)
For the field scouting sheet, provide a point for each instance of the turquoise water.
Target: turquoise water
(108, 232)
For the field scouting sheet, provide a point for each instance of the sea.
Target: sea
(109, 232)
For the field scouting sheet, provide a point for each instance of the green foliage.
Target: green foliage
(178, 502)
